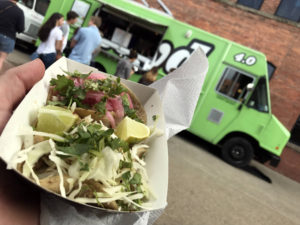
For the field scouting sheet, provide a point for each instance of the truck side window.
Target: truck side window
(234, 84)
(42, 6)
(259, 98)
(28, 3)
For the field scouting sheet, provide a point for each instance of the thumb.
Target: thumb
(15, 82)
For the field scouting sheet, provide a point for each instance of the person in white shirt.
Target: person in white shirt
(71, 19)
(51, 38)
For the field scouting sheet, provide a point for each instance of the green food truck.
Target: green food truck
(234, 108)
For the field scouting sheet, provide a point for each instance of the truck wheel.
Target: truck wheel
(237, 151)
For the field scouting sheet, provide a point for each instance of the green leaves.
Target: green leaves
(154, 117)
(77, 74)
(75, 149)
(62, 84)
(101, 106)
(67, 89)
(116, 144)
(91, 138)
(128, 111)
(131, 183)
(136, 179)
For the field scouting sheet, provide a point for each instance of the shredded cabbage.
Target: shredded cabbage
(120, 172)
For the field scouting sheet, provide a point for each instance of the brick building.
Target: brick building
(270, 26)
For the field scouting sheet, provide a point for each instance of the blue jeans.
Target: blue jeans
(7, 44)
(48, 59)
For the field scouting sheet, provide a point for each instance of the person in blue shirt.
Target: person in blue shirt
(86, 41)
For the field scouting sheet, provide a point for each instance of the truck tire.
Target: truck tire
(237, 151)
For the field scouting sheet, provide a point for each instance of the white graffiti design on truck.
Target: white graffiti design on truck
(169, 58)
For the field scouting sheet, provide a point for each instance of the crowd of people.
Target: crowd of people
(54, 38)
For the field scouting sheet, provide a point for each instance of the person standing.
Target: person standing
(86, 41)
(51, 38)
(125, 68)
(71, 19)
(11, 22)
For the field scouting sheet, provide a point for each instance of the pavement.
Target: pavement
(18, 57)
(204, 190)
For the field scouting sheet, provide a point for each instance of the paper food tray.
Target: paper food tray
(25, 114)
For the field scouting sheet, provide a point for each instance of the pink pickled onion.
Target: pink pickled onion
(93, 97)
(111, 119)
(97, 76)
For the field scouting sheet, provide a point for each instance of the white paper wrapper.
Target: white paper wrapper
(179, 92)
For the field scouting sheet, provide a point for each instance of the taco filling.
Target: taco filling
(97, 95)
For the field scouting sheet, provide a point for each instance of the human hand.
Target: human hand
(14, 84)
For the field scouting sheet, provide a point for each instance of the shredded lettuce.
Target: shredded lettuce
(90, 152)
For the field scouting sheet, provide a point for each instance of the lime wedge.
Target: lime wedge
(55, 120)
(132, 131)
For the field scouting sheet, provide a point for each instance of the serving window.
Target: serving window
(129, 31)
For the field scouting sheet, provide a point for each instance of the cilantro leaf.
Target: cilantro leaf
(101, 106)
(77, 74)
(75, 149)
(136, 179)
(128, 111)
(124, 164)
(62, 84)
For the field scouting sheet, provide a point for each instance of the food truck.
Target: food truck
(234, 108)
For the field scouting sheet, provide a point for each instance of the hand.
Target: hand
(58, 56)
(14, 84)
(19, 201)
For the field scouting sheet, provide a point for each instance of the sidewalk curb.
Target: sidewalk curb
(294, 147)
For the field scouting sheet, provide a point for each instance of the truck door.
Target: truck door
(219, 102)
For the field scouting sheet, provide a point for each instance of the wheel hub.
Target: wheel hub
(237, 152)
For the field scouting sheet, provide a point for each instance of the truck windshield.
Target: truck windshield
(41, 6)
(259, 98)
(27, 3)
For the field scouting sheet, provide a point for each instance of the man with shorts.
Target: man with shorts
(11, 22)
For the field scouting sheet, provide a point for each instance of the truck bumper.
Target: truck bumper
(263, 156)
(275, 160)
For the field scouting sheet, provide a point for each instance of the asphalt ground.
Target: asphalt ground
(204, 190)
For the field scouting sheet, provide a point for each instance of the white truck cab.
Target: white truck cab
(34, 12)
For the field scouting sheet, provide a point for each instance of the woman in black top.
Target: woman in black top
(11, 22)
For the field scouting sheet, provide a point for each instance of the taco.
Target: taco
(87, 160)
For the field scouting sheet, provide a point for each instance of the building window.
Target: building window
(255, 4)
(271, 70)
(233, 84)
(295, 133)
(289, 9)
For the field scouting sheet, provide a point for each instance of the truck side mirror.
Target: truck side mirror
(250, 87)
